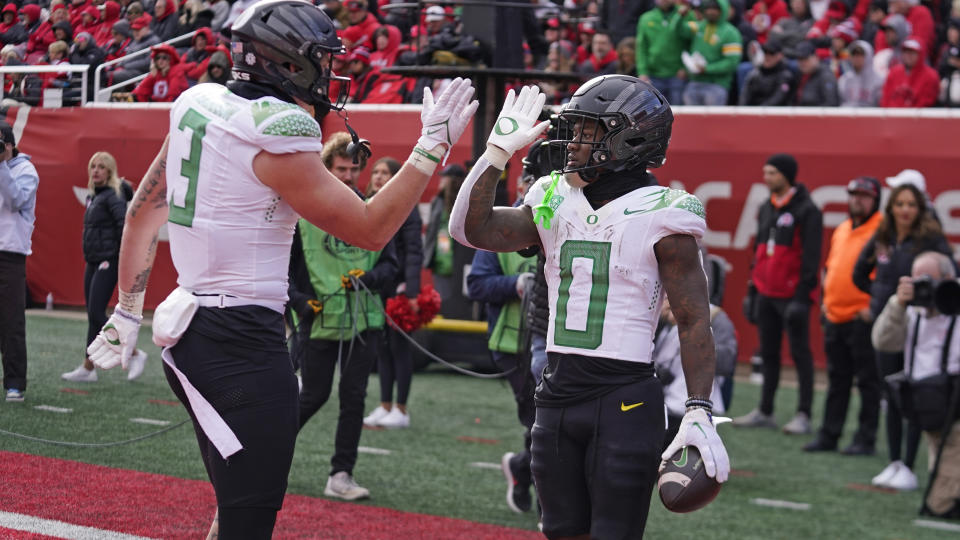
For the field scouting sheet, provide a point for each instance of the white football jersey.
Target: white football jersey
(604, 284)
(229, 233)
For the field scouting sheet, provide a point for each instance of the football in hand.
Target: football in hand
(684, 485)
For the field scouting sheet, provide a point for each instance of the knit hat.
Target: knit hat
(360, 54)
(122, 27)
(867, 185)
(786, 164)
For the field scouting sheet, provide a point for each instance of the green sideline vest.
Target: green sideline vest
(506, 334)
(344, 312)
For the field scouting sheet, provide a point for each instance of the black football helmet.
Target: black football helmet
(634, 122)
(287, 45)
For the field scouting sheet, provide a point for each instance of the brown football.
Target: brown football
(684, 485)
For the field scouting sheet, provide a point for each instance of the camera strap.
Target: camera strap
(945, 353)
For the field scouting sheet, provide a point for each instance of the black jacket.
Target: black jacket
(409, 252)
(893, 263)
(818, 90)
(787, 267)
(767, 87)
(103, 225)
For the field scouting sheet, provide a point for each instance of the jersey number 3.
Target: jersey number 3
(189, 168)
(589, 310)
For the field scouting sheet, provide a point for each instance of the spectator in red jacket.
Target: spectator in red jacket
(603, 57)
(11, 30)
(89, 21)
(166, 80)
(921, 24)
(201, 49)
(369, 85)
(120, 37)
(77, 8)
(111, 14)
(386, 41)
(912, 83)
(359, 16)
(42, 37)
(764, 14)
(30, 17)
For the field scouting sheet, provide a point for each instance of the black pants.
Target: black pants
(595, 465)
(13, 321)
(887, 364)
(850, 356)
(319, 363)
(237, 359)
(99, 280)
(771, 324)
(395, 365)
(523, 386)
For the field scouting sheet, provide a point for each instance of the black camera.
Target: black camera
(942, 295)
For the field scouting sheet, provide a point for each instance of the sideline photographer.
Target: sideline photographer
(920, 319)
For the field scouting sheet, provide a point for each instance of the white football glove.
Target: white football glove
(116, 342)
(445, 119)
(516, 126)
(697, 429)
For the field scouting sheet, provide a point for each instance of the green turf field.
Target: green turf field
(428, 469)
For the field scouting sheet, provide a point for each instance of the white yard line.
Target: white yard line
(51, 408)
(484, 465)
(150, 421)
(939, 525)
(774, 503)
(59, 529)
(375, 451)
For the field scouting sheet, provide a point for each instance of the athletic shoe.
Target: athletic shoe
(820, 444)
(903, 479)
(136, 364)
(342, 486)
(799, 425)
(887, 473)
(81, 374)
(375, 416)
(755, 418)
(858, 449)
(14, 395)
(395, 419)
(518, 494)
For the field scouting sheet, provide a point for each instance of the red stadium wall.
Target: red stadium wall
(717, 156)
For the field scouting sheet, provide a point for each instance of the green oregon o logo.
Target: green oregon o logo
(514, 126)
(591, 219)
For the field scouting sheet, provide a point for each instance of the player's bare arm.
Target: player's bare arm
(497, 228)
(474, 221)
(147, 213)
(324, 201)
(686, 286)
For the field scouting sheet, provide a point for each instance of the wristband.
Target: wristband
(698, 402)
(131, 303)
(497, 156)
(426, 161)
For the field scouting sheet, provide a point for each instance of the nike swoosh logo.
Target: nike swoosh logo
(627, 212)
(433, 131)
(624, 407)
(682, 462)
(700, 428)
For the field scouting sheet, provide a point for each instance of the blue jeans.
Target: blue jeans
(538, 354)
(670, 87)
(700, 93)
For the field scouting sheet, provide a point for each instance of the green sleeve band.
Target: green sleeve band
(426, 154)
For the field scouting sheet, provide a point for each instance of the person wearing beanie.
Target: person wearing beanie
(120, 38)
(782, 286)
(143, 38)
(847, 326)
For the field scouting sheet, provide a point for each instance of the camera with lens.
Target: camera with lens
(931, 293)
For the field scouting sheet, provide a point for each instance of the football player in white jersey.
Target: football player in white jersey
(614, 243)
(244, 164)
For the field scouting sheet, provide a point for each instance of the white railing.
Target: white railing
(101, 95)
(48, 96)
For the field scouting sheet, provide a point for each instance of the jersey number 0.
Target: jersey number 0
(596, 304)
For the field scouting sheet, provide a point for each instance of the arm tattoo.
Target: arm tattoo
(686, 287)
(152, 190)
(500, 228)
(140, 280)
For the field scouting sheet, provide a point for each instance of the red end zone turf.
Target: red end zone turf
(158, 506)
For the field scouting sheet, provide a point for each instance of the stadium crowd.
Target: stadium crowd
(827, 53)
